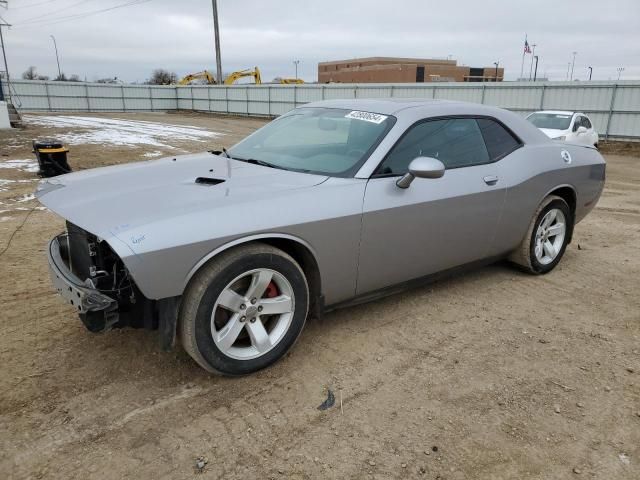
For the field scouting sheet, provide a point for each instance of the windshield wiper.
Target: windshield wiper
(259, 162)
(263, 163)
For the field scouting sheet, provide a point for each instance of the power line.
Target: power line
(53, 21)
(69, 7)
(21, 7)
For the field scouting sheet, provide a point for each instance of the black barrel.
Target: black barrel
(52, 157)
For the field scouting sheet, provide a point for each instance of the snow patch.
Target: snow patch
(26, 198)
(152, 154)
(27, 165)
(4, 184)
(101, 131)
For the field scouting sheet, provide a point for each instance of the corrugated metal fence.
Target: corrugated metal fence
(614, 107)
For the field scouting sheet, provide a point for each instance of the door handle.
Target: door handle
(490, 179)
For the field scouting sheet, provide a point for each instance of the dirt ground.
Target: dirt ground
(489, 375)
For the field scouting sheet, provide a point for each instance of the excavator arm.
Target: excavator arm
(205, 74)
(235, 76)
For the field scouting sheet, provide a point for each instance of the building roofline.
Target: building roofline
(440, 61)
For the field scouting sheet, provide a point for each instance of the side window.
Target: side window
(577, 123)
(586, 122)
(499, 141)
(455, 142)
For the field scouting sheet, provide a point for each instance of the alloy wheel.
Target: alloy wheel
(252, 314)
(550, 236)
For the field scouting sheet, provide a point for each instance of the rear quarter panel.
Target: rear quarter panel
(534, 171)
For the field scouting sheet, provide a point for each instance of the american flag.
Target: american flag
(526, 46)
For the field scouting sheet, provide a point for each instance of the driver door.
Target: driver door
(435, 224)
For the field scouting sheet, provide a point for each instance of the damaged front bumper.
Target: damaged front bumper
(97, 311)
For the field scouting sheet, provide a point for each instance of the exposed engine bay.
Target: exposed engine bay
(98, 268)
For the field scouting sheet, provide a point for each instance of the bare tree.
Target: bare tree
(30, 73)
(74, 78)
(61, 78)
(161, 76)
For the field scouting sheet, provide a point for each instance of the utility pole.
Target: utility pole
(568, 68)
(55, 45)
(535, 72)
(296, 62)
(4, 56)
(573, 63)
(533, 54)
(496, 75)
(216, 34)
(620, 70)
(590, 72)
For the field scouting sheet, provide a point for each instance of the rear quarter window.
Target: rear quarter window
(499, 141)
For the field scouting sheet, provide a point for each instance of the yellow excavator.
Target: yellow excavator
(209, 79)
(235, 76)
(203, 75)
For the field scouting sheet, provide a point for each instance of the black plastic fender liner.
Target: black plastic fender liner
(167, 309)
(100, 321)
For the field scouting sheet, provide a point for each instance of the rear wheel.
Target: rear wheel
(242, 311)
(547, 237)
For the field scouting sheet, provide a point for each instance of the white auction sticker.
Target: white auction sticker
(366, 116)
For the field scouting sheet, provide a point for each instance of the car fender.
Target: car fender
(557, 187)
(242, 240)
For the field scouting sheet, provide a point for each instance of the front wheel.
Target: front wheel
(547, 237)
(242, 311)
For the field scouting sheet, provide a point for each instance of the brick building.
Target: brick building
(403, 70)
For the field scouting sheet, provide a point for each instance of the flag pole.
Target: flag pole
(523, 53)
(533, 54)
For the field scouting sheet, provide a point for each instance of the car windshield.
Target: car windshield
(552, 121)
(327, 141)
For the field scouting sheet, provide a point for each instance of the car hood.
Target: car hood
(553, 133)
(111, 201)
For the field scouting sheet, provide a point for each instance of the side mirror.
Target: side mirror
(582, 130)
(421, 167)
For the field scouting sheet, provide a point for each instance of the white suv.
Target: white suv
(574, 127)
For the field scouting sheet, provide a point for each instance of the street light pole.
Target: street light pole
(496, 76)
(535, 72)
(590, 72)
(573, 63)
(55, 46)
(216, 34)
(296, 62)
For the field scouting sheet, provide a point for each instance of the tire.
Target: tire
(540, 261)
(217, 307)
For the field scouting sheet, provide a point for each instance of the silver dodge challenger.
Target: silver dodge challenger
(334, 203)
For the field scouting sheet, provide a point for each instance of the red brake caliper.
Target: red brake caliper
(271, 291)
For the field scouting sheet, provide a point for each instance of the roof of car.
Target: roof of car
(385, 106)
(410, 110)
(557, 112)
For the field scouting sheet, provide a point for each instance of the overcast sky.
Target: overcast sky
(130, 42)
